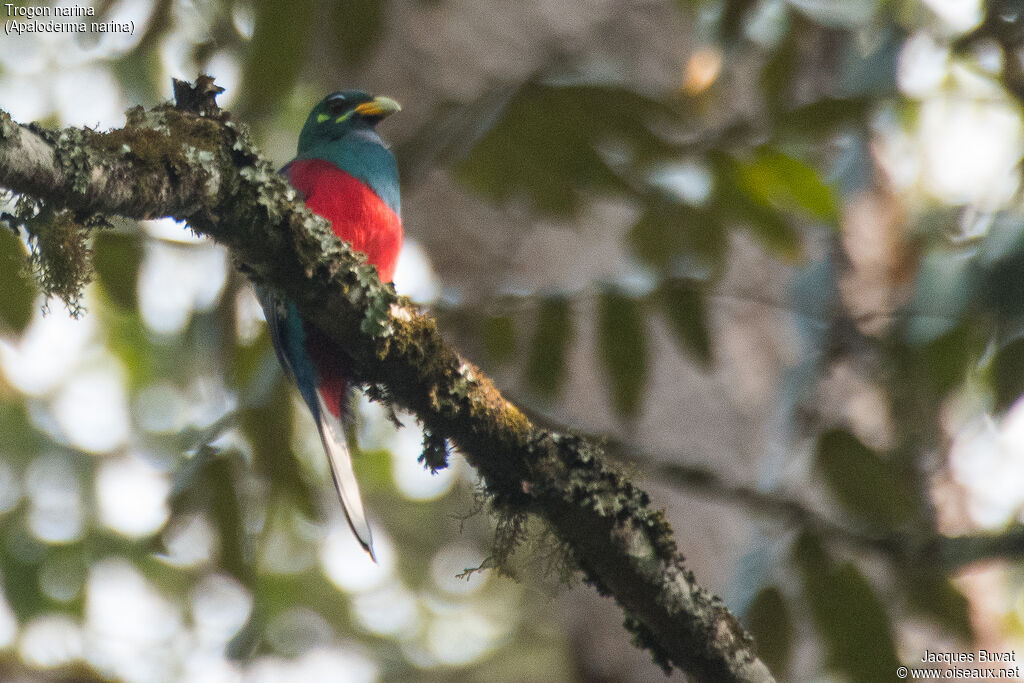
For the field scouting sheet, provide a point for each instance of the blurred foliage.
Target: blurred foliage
(276, 53)
(867, 486)
(932, 594)
(771, 624)
(547, 365)
(116, 259)
(779, 146)
(358, 25)
(19, 290)
(546, 145)
(849, 615)
(623, 348)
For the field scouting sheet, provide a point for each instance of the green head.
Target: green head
(341, 113)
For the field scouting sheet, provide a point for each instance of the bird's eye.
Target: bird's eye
(336, 105)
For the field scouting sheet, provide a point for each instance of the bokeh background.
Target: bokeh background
(771, 251)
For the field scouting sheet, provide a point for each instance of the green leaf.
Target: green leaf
(770, 226)
(868, 487)
(946, 284)
(941, 365)
(116, 259)
(546, 366)
(248, 363)
(1000, 258)
(545, 144)
(872, 75)
(373, 469)
(128, 339)
(682, 303)
(850, 617)
(851, 14)
(825, 116)
(733, 16)
(21, 440)
(779, 69)
(208, 481)
(268, 427)
(776, 180)
(769, 621)
(275, 54)
(245, 644)
(225, 508)
(1007, 374)
(622, 345)
(67, 566)
(358, 24)
(18, 287)
(20, 561)
(498, 335)
(1003, 243)
(930, 593)
(450, 132)
(188, 478)
(670, 234)
(732, 200)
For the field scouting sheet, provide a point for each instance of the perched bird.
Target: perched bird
(345, 173)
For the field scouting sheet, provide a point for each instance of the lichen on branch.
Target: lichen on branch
(193, 163)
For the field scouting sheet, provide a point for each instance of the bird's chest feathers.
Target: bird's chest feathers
(357, 213)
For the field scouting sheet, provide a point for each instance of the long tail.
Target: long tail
(332, 434)
(288, 334)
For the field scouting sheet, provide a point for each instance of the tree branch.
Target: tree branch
(198, 166)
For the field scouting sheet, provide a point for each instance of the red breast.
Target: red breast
(356, 213)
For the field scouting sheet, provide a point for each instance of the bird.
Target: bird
(346, 173)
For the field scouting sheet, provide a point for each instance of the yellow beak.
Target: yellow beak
(379, 106)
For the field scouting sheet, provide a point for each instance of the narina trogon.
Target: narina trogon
(345, 173)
